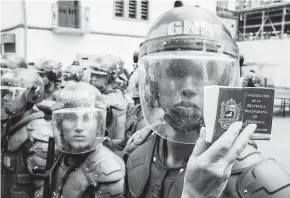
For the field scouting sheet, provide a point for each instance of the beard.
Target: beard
(184, 117)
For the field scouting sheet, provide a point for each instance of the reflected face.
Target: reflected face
(79, 130)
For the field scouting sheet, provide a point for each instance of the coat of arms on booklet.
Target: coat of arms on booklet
(226, 105)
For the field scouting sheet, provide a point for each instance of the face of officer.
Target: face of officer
(79, 130)
(99, 81)
(181, 94)
(12, 100)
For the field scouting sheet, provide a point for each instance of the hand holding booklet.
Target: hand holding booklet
(226, 105)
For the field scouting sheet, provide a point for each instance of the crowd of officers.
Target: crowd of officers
(79, 131)
(27, 123)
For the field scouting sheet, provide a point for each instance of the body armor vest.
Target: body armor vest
(94, 170)
(134, 121)
(250, 176)
(154, 179)
(115, 125)
(16, 180)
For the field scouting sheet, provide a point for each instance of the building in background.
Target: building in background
(79, 30)
(264, 40)
(245, 4)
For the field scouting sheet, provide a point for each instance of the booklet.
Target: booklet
(226, 105)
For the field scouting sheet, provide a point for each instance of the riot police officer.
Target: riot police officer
(186, 49)
(50, 72)
(9, 61)
(25, 139)
(71, 74)
(251, 79)
(84, 167)
(104, 71)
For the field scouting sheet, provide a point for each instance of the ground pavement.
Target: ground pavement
(279, 145)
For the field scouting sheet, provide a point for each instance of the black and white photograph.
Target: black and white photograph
(145, 98)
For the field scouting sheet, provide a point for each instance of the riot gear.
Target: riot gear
(11, 61)
(84, 168)
(20, 89)
(50, 72)
(104, 71)
(25, 136)
(71, 73)
(78, 118)
(133, 87)
(186, 49)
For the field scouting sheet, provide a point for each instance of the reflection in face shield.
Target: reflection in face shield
(78, 130)
(175, 81)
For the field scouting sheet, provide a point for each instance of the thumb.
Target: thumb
(200, 146)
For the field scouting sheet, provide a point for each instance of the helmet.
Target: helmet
(104, 70)
(20, 90)
(50, 71)
(78, 119)
(186, 49)
(121, 82)
(10, 61)
(70, 74)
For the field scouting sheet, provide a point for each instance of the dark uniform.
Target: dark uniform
(50, 72)
(25, 141)
(85, 168)
(186, 49)
(104, 71)
(250, 177)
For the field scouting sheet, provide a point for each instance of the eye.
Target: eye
(70, 116)
(86, 117)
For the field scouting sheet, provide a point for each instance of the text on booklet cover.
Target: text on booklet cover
(249, 105)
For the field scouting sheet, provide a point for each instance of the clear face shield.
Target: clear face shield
(172, 85)
(79, 129)
(67, 79)
(13, 100)
(99, 78)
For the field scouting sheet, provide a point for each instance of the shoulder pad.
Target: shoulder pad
(247, 158)
(39, 129)
(138, 138)
(266, 179)
(104, 166)
(112, 189)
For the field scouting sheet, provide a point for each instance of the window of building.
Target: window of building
(119, 8)
(69, 14)
(132, 9)
(9, 47)
(144, 10)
